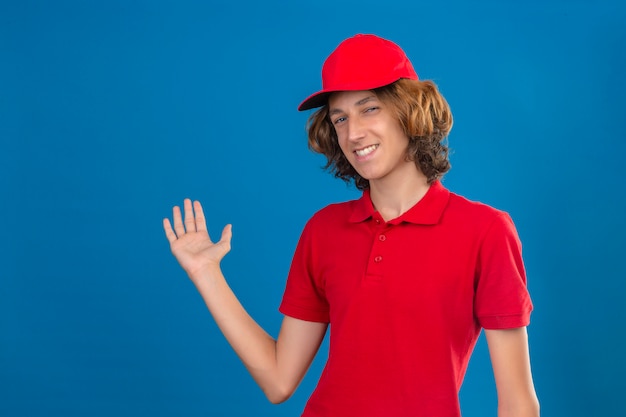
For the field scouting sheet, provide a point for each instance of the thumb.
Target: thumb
(227, 234)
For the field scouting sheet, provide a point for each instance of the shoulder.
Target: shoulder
(330, 221)
(477, 218)
(474, 210)
(333, 213)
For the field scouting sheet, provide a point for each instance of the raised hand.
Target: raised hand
(190, 242)
(277, 371)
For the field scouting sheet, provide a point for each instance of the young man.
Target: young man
(407, 275)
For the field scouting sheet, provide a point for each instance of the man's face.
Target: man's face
(369, 135)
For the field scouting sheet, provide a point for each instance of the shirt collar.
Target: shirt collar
(427, 211)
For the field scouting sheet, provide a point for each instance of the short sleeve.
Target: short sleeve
(502, 300)
(304, 296)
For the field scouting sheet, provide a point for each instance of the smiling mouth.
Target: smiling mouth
(366, 151)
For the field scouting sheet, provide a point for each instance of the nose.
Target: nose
(355, 129)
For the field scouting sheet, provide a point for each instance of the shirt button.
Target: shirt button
(377, 221)
(378, 259)
(382, 238)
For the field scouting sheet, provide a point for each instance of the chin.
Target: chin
(366, 175)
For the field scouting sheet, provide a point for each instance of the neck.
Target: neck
(392, 199)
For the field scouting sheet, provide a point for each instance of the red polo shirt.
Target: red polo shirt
(405, 300)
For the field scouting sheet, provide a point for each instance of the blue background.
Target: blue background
(112, 112)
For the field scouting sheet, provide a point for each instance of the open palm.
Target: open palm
(190, 241)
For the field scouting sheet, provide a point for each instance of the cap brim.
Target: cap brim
(321, 97)
(314, 100)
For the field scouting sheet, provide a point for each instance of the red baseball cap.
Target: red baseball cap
(362, 62)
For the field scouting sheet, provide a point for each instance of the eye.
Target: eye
(339, 120)
(371, 109)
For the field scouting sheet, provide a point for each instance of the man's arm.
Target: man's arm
(277, 366)
(511, 367)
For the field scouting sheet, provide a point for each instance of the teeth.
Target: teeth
(366, 151)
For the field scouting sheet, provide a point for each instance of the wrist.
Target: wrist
(205, 274)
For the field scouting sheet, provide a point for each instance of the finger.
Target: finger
(200, 219)
(178, 222)
(169, 232)
(190, 221)
(227, 234)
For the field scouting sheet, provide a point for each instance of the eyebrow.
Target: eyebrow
(358, 103)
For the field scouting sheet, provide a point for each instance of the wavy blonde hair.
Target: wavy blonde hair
(425, 118)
